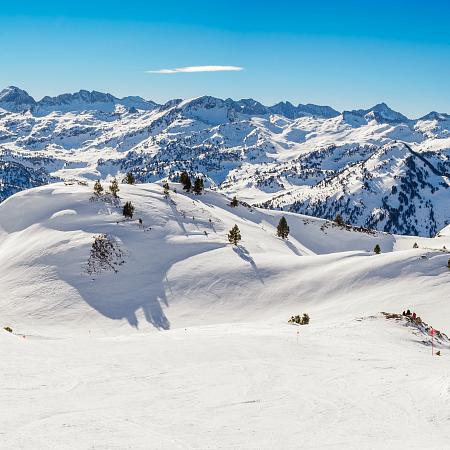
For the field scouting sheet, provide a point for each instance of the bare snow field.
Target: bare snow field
(185, 344)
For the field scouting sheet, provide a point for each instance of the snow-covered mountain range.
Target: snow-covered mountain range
(375, 167)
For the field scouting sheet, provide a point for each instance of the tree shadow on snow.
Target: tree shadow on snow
(139, 285)
(244, 254)
(292, 248)
(151, 307)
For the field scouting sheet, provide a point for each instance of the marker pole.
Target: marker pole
(432, 331)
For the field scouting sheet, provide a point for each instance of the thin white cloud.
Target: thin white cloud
(193, 69)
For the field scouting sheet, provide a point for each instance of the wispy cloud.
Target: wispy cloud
(193, 69)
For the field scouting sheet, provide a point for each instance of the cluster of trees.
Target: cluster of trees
(113, 188)
(106, 254)
(129, 178)
(339, 220)
(196, 188)
(128, 210)
(234, 235)
(301, 320)
(166, 189)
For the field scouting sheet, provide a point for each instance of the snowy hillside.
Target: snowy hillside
(47, 234)
(226, 370)
(305, 158)
(414, 195)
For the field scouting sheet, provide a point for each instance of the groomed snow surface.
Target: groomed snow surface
(187, 345)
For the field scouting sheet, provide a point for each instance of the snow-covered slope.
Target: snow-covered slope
(179, 270)
(414, 195)
(226, 370)
(305, 158)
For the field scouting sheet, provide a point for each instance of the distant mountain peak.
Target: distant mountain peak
(82, 96)
(318, 110)
(433, 115)
(381, 112)
(84, 99)
(382, 106)
(13, 97)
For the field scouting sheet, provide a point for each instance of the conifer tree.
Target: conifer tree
(183, 177)
(377, 249)
(128, 210)
(234, 202)
(198, 186)
(98, 188)
(339, 220)
(283, 228)
(130, 178)
(185, 181)
(234, 235)
(114, 187)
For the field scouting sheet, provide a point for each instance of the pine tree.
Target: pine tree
(339, 220)
(283, 228)
(234, 202)
(114, 187)
(234, 235)
(98, 188)
(129, 179)
(198, 186)
(377, 249)
(185, 181)
(128, 210)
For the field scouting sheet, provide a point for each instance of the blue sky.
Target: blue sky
(346, 54)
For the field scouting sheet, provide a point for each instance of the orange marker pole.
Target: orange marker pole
(432, 331)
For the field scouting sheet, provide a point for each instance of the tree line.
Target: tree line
(234, 235)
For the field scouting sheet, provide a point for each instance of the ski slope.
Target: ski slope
(188, 345)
